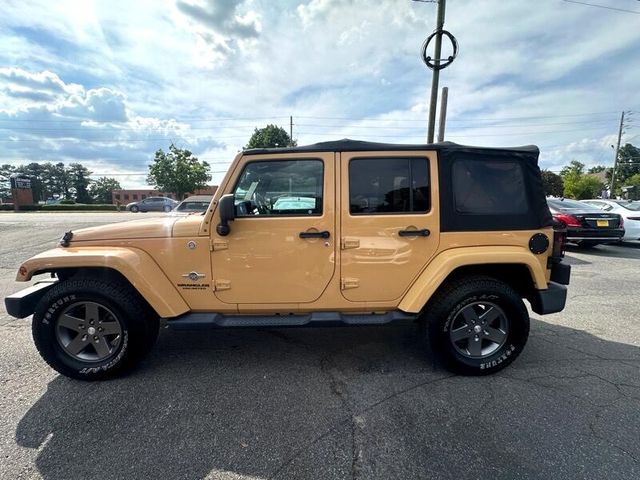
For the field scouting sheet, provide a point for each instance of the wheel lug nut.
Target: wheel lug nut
(95, 337)
(100, 329)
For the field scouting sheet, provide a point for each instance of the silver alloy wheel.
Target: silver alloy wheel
(88, 331)
(479, 330)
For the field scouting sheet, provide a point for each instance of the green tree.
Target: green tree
(579, 185)
(178, 171)
(5, 183)
(59, 181)
(633, 181)
(101, 189)
(575, 168)
(597, 169)
(552, 183)
(270, 136)
(78, 176)
(628, 163)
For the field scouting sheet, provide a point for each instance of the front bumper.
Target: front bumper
(23, 303)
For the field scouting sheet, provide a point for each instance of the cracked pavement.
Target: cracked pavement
(335, 403)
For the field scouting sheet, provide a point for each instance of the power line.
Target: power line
(602, 6)
(213, 138)
(36, 130)
(470, 119)
(233, 119)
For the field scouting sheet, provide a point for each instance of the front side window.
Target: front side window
(389, 185)
(280, 187)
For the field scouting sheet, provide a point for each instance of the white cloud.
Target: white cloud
(177, 70)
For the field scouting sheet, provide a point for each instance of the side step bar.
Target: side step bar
(204, 321)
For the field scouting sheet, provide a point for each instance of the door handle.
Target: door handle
(415, 233)
(323, 234)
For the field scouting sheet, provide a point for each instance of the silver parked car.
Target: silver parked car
(152, 204)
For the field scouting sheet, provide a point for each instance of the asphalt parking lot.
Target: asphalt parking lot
(365, 403)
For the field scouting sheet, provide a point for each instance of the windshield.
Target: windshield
(568, 204)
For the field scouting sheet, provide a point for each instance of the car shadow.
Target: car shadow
(571, 260)
(343, 403)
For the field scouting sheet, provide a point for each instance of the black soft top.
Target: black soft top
(347, 145)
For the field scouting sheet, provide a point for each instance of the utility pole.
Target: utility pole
(291, 129)
(615, 159)
(443, 113)
(436, 71)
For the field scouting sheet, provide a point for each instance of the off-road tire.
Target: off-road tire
(442, 310)
(139, 326)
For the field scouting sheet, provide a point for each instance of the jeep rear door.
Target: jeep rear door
(281, 248)
(389, 221)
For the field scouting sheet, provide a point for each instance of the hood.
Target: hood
(147, 228)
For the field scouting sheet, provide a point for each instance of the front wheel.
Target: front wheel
(477, 325)
(167, 208)
(93, 329)
(134, 209)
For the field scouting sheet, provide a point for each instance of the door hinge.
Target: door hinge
(349, 242)
(347, 283)
(221, 284)
(218, 244)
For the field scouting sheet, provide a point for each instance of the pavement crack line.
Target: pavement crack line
(345, 420)
(338, 387)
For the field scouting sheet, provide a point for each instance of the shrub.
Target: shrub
(67, 201)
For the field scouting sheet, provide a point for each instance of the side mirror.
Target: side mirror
(227, 214)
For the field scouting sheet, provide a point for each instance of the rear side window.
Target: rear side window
(389, 185)
(489, 187)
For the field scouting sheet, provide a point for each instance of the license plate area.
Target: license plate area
(602, 223)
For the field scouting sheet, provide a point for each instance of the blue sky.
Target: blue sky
(107, 83)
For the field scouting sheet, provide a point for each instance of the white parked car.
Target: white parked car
(630, 212)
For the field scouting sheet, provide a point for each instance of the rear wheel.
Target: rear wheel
(93, 329)
(477, 325)
(167, 208)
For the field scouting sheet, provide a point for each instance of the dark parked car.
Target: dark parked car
(586, 225)
(152, 204)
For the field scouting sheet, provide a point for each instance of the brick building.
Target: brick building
(135, 195)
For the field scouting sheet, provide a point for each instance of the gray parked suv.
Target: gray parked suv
(152, 204)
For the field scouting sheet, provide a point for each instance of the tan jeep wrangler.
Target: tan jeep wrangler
(344, 232)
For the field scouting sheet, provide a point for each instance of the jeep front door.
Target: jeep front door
(389, 223)
(281, 246)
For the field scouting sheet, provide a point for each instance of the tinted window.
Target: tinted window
(489, 187)
(389, 185)
(281, 187)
